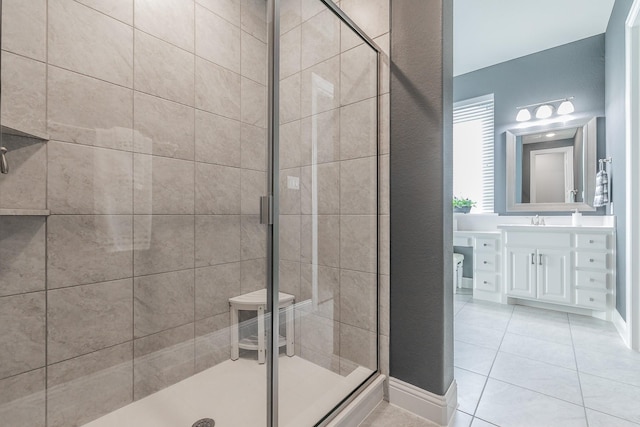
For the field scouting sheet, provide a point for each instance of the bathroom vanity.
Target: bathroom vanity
(556, 266)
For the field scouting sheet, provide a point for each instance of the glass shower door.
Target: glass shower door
(328, 220)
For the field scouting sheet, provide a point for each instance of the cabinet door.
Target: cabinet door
(521, 272)
(554, 275)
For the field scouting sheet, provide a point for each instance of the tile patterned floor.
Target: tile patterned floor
(519, 366)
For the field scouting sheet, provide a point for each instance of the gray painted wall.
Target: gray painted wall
(421, 334)
(615, 113)
(575, 69)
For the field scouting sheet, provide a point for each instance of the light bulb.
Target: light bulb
(523, 115)
(566, 108)
(544, 111)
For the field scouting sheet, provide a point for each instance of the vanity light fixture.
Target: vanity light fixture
(546, 109)
(550, 135)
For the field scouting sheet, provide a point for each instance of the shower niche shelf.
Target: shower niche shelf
(7, 130)
(24, 212)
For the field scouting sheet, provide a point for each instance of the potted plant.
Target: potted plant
(462, 205)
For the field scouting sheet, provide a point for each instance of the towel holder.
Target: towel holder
(601, 162)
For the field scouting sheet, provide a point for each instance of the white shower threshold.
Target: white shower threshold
(233, 393)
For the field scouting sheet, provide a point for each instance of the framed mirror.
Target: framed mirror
(552, 167)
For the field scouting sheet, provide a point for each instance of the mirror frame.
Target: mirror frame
(589, 127)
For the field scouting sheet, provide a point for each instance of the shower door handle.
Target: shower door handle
(266, 210)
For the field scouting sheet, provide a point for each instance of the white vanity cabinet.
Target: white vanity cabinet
(561, 265)
(487, 262)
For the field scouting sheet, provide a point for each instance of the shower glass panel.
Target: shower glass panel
(328, 208)
(135, 259)
(136, 137)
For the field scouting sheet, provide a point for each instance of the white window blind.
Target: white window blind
(473, 143)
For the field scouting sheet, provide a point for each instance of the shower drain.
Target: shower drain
(205, 422)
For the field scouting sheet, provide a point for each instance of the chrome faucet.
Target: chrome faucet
(4, 166)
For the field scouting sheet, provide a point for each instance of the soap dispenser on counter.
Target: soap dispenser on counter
(576, 218)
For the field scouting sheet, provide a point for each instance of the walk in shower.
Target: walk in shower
(176, 170)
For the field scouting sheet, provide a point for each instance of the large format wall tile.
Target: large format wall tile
(290, 15)
(82, 319)
(162, 360)
(87, 387)
(163, 70)
(214, 286)
(290, 99)
(162, 243)
(290, 278)
(22, 399)
(358, 130)
(289, 237)
(217, 239)
(163, 128)
(163, 185)
(217, 189)
(320, 38)
(85, 249)
(212, 341)
(323, 240)
(327, 280)
(254, 147)
(253, 237)
(254, 103)
(217, 40)
(253, 16)
(358, 243)
(22, 333)
(25, 186)
(217, 89)
(218, 140)
(320, 188)
(357, 346)
(88, 111)
(290, 145)
(359, 186)
(320, 87)
(370, 15)
(320, 138)
(89, 42)
(88, 180)
(163, 301)
(290, 51)
(358, 299)
(24, 29)
(121, 10)
(169, 20)
(254, 186)
(358, 74)
(228, 9)
(253, 275)
(254, 59)
(24, 94)
(290, 191)
(22, 251)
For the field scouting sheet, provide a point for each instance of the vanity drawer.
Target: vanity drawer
(540, 239)
(591, 279)
(591, 260)
(591, 241)
(488, 261)
(487, 245)
(488, 282)
(596, 300)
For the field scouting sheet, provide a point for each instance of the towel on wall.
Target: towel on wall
(602, 189)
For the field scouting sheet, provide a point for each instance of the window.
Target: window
(473, 140)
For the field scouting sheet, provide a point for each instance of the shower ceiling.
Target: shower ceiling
(493, 31)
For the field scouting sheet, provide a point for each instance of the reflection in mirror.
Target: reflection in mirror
(552, 168)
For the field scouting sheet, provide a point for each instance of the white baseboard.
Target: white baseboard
(621, 326)
(433, 407)
(358, 410)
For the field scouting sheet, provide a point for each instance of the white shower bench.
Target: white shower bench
(257, 301)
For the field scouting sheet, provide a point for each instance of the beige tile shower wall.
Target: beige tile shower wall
(156, 114)
(328, 147)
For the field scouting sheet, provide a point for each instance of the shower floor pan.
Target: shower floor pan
(233, 393)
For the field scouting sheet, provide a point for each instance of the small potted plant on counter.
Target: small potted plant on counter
(462, 205)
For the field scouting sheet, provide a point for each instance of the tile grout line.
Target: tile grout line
(575, 358)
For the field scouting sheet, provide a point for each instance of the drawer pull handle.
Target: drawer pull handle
(485, 262)
(485, 245)
(591, 241)
(533, 258)
(591, 279)
(590, 259)
(485, 282)
(591, 299)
